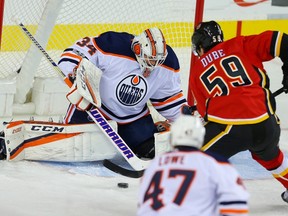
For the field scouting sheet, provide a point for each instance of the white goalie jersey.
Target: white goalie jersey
(191, 183)
(124, 91)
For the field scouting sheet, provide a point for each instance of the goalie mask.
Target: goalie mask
(206, 36)
(187, 130)
(150, 49)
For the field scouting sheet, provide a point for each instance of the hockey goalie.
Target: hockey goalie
(135, 69)
(63, 142)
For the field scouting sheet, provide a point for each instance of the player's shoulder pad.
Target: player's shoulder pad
(118, 43)
(217, 157)
(171, 60)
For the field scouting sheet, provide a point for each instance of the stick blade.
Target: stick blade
(122, 171)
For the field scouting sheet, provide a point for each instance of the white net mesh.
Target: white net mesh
(77, 19)
(57, 24)
(13, 45)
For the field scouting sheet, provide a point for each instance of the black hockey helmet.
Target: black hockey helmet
(206, 36)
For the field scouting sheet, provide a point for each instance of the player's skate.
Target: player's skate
(284, 196)
(2, 146)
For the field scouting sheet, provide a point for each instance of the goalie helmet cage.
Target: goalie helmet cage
(57, 24)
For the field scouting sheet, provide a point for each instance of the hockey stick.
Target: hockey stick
(279, 91)
(121, 170)
(135, 162)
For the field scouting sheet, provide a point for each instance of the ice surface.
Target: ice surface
(62, 189)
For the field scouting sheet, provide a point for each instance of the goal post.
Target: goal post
(1, 19)
(199, 9)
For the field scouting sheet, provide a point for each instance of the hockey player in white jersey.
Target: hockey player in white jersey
(135, 70)
(187, 181)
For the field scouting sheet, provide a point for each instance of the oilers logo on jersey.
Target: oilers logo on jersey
(131, 90)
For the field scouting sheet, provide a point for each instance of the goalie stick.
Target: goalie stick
(136, 163)
(121, 170)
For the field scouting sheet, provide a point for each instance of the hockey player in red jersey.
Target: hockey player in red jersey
(135, 70)
(187, 181)
(231, 89)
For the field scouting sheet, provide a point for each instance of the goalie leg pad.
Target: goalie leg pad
(48, 141)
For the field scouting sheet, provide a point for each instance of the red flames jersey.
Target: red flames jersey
(229, 82)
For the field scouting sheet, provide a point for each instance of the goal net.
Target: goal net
(57, 24)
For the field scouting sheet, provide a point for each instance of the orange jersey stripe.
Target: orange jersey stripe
(234, 211)
(72, 55)
(171, 99)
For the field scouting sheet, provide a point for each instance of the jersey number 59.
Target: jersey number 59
(235, 75)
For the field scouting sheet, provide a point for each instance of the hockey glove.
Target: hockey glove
(162, 126)
(188, 110)
(77, 99)
(192, 110)
(285, 82)
(72, 75)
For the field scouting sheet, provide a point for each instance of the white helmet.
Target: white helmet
(150, 49)
(187, 130)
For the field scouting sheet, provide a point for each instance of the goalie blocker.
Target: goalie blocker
(48, 141)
